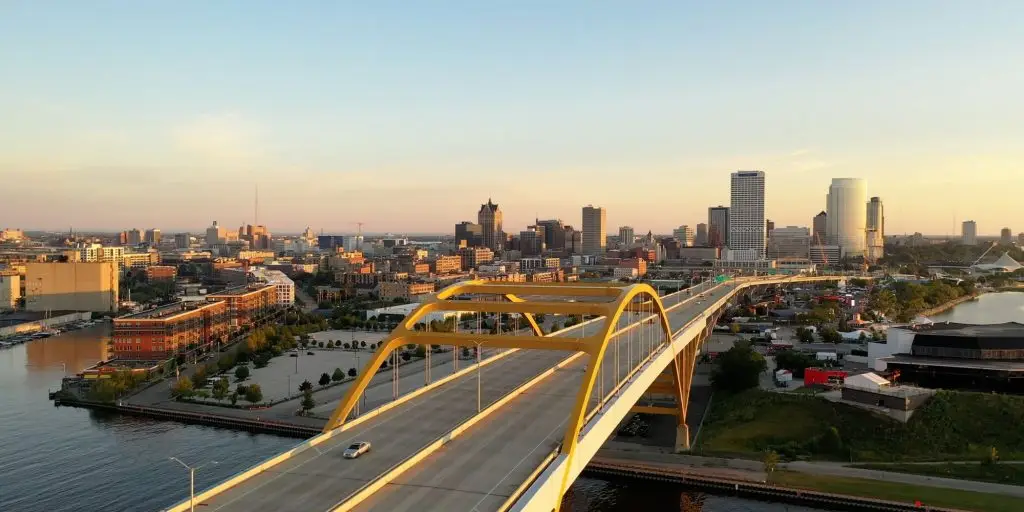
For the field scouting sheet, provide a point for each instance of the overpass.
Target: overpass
(511, 432)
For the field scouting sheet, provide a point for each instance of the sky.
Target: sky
(408, 115)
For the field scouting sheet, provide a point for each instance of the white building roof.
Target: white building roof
(866, 381)
(1004, 263)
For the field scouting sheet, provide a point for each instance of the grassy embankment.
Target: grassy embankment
(1010, 474)
(951, 426)
(931, 496)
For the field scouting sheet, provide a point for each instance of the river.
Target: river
(63, 459)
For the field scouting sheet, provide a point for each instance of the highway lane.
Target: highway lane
(480, 469)
(318, 479)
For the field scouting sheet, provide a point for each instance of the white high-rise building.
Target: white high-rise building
(969, 232)
(594, 232)
(746, 213)
(846, 218)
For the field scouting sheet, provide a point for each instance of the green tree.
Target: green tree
(241, 373)
(421, 351)
(220, 388)
(183, 388)
(734, 328)
(738, 368)
(305, 386)
(794, 361)
(253, 393)
(352, 372)
(325, 379)
(234, 398)
(200, 377)
(307, 402)
(805, 335)
(831, 442)
(338, 375)
(104, 391)
(830, 335)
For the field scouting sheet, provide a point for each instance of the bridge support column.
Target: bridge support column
(682, 438)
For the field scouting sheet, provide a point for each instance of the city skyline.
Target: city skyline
(543, 125)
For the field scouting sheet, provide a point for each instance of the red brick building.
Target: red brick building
(160, 333)
(161, 273)
(246, 304)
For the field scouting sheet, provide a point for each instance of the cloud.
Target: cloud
(222, 139)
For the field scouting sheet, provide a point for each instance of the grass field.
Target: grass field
(951, 426)
(933, 496)
(1010, 474)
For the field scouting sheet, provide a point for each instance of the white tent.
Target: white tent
(866, 381)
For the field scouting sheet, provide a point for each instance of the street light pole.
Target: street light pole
(478, 386)
(192, 481)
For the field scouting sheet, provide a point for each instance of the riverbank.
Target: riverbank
(816, 484)
(942, 308)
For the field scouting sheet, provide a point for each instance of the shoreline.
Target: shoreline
(746, 488)
(942, 308)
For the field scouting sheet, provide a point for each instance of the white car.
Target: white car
(356, 449)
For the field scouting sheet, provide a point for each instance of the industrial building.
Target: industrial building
(10, 289)
(872, 391)
(949, 355)
(73, 286)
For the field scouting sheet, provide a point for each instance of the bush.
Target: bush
(324, 379)
(254, 393)
(406, 356)
(241, 373)
(183, 388)
(795, 361)
(338, 375)
(738, 368)
(305, 386)
(352, 372)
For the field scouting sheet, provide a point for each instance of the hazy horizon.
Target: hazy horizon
(408, 117)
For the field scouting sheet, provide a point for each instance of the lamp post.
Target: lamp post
(478, 378)
(192, 481)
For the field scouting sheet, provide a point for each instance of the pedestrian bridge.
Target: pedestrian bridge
(515, 430)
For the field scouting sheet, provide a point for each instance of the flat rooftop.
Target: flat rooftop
(166, 311)
(969, 364)
(239, 290)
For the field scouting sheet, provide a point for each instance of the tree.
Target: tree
(330, 344)
(465, 352)
(421, 351)
(253, 393)
(831, 442)
(830, 335)
(734, 328)
(305, 386)
(199, 378)
(794, 361)
(738, 368)
(233, 398)
(352, 372)
(338, 375)
(307, 402)
(362, 344)
(241, 373)
(384, 364)
(805, 335)
(771, 460)
(220, 388)
(320, 344)
(346, 346)
(183, 388)
(325, 379)
(406, 356)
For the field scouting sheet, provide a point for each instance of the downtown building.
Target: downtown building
(875, 231)
(969, 233)
(594, 231)
(490, 219)
(746, 234)
(846, 219)
(718, 226)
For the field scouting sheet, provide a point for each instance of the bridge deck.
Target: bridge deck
(479, 470)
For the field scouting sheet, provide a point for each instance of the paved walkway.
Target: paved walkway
(754, 470)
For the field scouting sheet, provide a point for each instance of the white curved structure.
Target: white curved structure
(846, 205)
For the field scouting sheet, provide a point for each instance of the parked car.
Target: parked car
(356, 449)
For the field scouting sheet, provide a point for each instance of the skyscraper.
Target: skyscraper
(847, 216)
(593, 230)
(819, 228)
(1006, 236)
(489, 218)
(701, 238)
(746, 213)
(134, 237)
(718, 226)
(969, 232)
(153, 236)
(684, 234)
(471, 234)
(554, 234)
(875, 231)
(626, 236)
